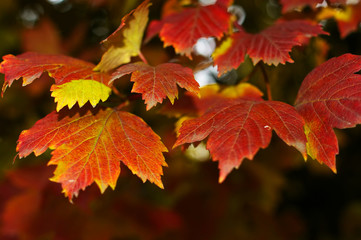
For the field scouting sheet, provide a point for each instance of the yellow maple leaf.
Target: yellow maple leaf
(125, 42)
(80, 91)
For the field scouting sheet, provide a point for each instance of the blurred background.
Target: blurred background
(275, 196)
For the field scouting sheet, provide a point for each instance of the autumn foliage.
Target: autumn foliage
(97, 129)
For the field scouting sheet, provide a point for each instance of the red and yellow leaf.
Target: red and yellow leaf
(238, 127)
(182, 30)
(157, 83)
(30, 66)
(330, 97)
(89, 146)
(125, 42)
(347, 19)
(272, 45)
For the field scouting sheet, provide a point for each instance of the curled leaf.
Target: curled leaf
(125, 42)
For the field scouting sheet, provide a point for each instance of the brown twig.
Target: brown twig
(116, 92)
(266, 80)
(143, 58)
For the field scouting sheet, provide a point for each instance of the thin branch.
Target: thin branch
(116, 92)
(143, 58)
(266, 80)
(250, 75)
(122, 105)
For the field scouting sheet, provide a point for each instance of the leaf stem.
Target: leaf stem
(143, 58)
(267, 82)
(237, 26)
(116, 92)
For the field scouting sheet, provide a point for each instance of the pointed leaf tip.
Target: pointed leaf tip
(271, 45)
(330, 97)
(64, 70)
(157, 83)
(182, 30)
(126, 41)
(235, 128)
(89, 146)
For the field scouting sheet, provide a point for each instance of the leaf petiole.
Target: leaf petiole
(143, 58)
(266, 80)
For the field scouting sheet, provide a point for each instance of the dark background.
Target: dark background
(275, 196)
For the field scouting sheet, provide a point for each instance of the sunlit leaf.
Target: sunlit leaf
(89, 146)
(125, 42)
(80, 91)
(272, 45)
(30, 66)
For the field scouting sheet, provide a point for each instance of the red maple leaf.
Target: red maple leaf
(62, 69)
(330, 97)
(182, 30)
(90, 144)
(237, 128)
(272, 45)
(157, 83)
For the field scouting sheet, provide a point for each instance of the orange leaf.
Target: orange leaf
(330, 97)
(62, 69)
(66, 72)
(89, 145)
(238, 127)
(157, 83)
(272, 45)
